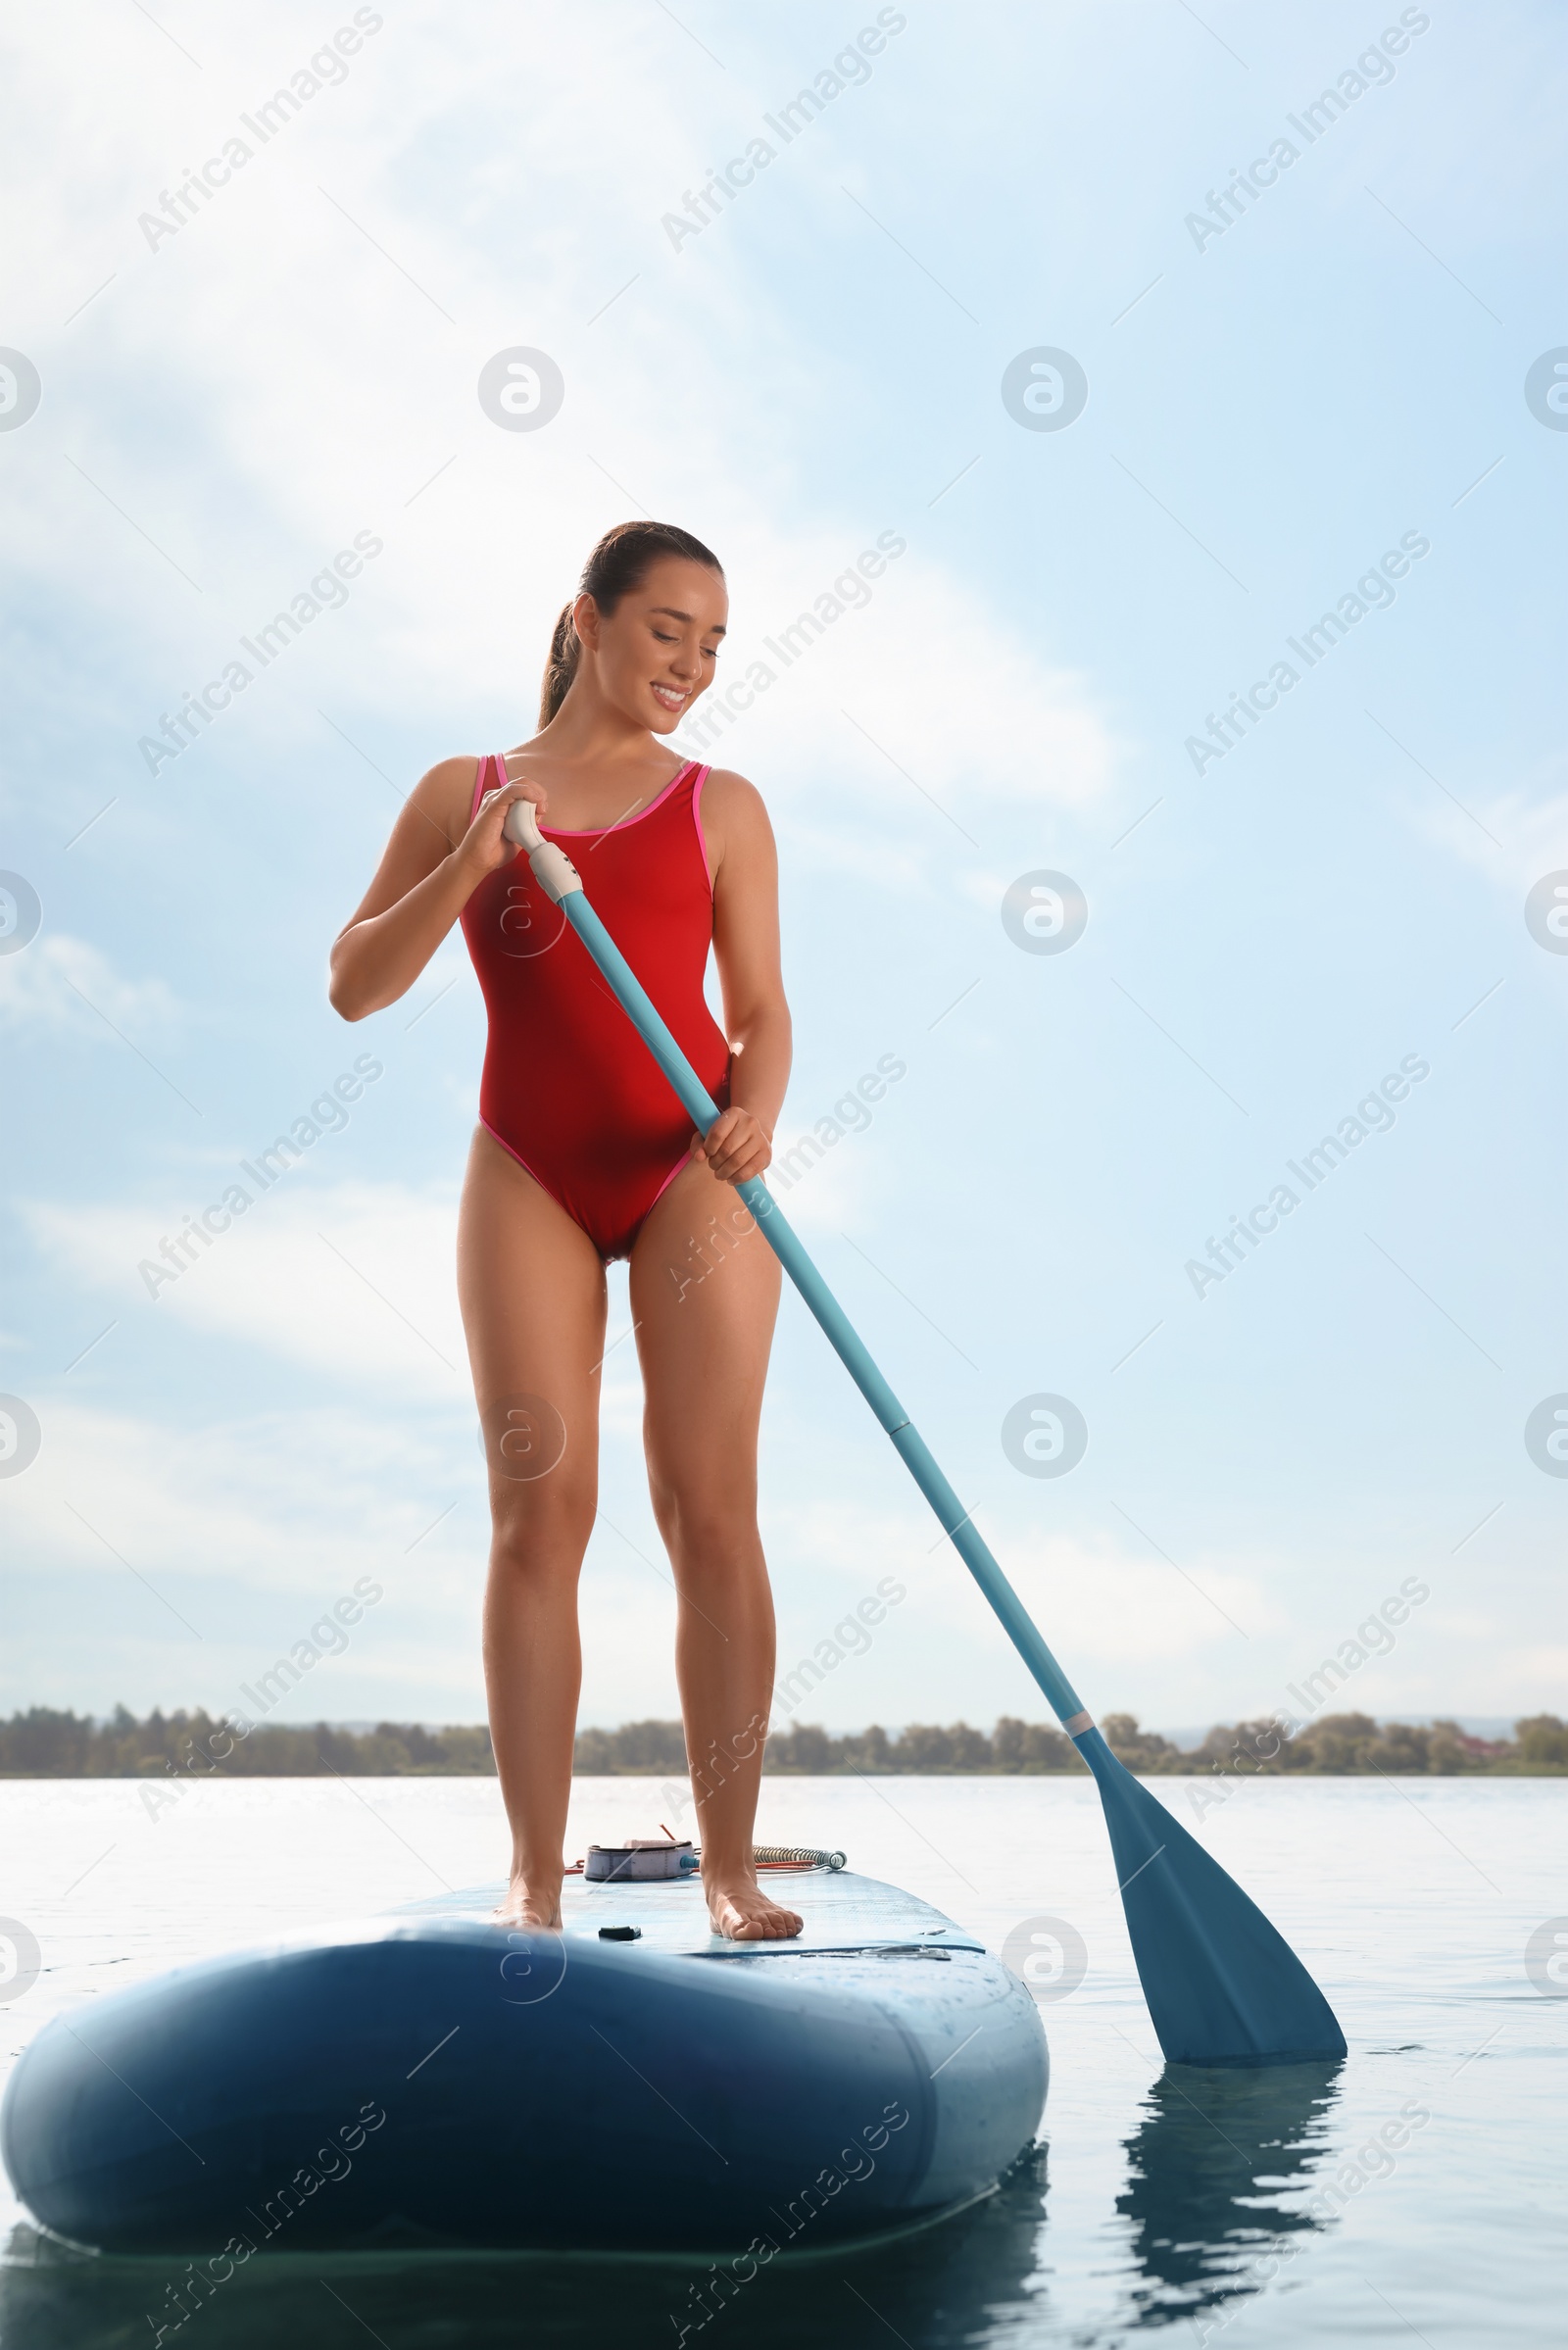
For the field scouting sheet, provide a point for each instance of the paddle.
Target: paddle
(1223, 1986)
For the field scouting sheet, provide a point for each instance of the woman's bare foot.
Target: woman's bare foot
(530, 1902)
(743, 1912)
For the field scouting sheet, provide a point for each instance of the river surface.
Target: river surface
(1247, 2208)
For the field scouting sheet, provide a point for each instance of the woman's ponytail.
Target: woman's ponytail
(619, 563)
(561, 667)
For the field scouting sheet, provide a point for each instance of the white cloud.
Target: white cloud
(856, 843)
(286, 1503)
(1099, 1605)
(64, 986)
(337, 432)
(924, 702)
(353, 1279)
(1513, 835)
(1091, 1600)
(954, 693)
(822, 1194)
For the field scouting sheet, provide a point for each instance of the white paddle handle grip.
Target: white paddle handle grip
(553, 868)
(522, 826)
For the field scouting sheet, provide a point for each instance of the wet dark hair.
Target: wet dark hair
(621, 563)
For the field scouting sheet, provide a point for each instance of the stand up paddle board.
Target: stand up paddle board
(633, 2083)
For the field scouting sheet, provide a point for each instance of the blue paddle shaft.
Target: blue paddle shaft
(842, 1336)
(1223, 1986)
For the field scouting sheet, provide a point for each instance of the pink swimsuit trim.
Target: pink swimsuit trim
(581, 832)
(699, 787)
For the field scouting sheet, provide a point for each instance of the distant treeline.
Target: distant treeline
(42, 1743)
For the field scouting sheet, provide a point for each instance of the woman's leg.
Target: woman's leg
(705, 1291)
(532, 1290)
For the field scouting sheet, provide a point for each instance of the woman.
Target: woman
(584, 1155)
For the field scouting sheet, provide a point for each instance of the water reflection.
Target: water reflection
(1216, 2172)
(1215, 2169)
(938, 2289)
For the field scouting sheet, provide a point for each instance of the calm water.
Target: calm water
(1186, 2201)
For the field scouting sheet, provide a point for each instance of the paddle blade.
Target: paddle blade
(1223, 1986)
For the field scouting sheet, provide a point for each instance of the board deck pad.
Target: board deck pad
(842, 1912)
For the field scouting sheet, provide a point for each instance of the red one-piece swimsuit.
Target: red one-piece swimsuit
(568, 1087)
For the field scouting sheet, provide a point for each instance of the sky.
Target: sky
(1124, 428)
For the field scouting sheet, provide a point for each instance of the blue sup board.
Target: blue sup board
(632, 2084)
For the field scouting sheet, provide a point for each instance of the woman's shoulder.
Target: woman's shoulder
(462, 767)
(445, 792)
(732, 798)
(735, 825)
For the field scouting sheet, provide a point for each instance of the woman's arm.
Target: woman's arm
(431, 866)
(746, 944)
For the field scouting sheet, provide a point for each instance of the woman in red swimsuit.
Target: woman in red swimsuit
(584, 1155)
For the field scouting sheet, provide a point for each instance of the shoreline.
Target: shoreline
(46, 1743)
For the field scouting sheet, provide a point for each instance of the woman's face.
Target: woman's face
(656, 653)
